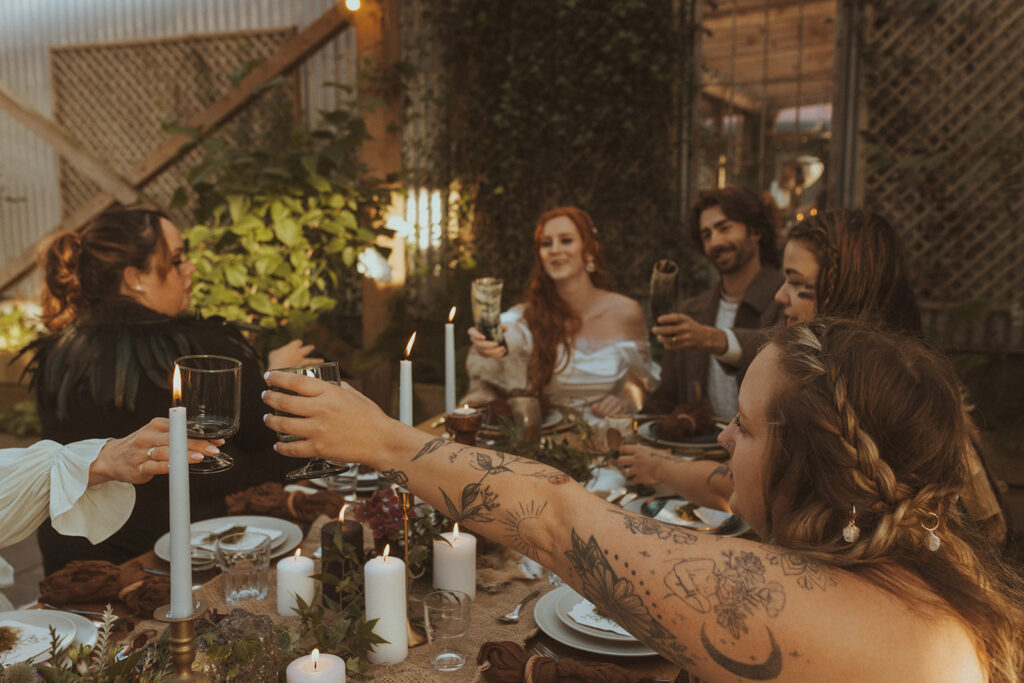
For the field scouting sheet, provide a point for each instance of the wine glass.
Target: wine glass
(212, 396)
(314, 468)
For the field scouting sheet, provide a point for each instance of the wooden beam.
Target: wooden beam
(75, 152)
(292, 53)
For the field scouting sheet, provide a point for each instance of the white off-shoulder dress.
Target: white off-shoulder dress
(595, 369)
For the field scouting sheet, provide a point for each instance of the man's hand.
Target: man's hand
(680, 332)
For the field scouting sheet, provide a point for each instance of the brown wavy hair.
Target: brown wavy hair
(552, 323)
(743, 206)
(876, 420)
(862, 273)
(84, 269)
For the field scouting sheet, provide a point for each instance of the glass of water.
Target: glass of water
(447, 616)
(211, 391)
(244, 558)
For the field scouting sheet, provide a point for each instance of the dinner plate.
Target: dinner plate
(34, 640)
(563, 609)
(648, 431)
(709, 520)
(292, 534)
(545, 612)
(554, 421)
(86, 631)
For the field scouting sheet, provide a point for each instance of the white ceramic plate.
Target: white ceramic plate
(34, 644)
(703, 443)
(563, 608)
(292, 532)
(86, 631)
(727, 524)
(553, 421)
(546, 614)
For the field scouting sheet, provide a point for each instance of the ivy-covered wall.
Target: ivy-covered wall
(552, 102)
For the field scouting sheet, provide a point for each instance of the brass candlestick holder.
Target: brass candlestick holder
(405, 498)
(183, 643)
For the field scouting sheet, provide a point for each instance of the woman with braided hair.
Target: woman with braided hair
(848, 453)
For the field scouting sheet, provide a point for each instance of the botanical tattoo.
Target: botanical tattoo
(723, 470)
(397, 477)
(523, 525)
(617, 596)
(645, 526)
(733, 589)
(809, 574)
(428, 448)
(475, 504)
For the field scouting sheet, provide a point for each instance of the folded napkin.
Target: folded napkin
(272, 500)
(92, 581)
(508, 662)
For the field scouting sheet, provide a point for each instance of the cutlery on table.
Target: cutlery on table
(163, 572)
(513, 616)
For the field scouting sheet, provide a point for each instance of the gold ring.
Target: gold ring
(149, 453)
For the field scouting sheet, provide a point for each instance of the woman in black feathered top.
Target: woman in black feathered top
(115, 297)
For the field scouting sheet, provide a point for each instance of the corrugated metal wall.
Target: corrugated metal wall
(29, 193)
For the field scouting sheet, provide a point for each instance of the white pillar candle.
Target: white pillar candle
(182, 605)
(316, 668)
(455, 562)
(405, 385)
(384, 579)
(294, 579)
(449, 363)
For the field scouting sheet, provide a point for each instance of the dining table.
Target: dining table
(495, 599)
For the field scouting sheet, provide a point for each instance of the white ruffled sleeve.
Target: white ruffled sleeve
(48, 479)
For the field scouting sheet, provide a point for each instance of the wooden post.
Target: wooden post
(377, 41)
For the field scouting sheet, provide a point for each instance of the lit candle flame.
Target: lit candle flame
(352, 5)
(341, 515)
(451, 314)
(408, 347)
(387, 551)
(455, 531)
(177, 383)
(315, 656)
(298, 552)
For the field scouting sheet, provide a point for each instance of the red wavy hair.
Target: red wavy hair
(552, 323)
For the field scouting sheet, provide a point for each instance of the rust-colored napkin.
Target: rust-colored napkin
(271, 499)
(92, 581)
(508, 662)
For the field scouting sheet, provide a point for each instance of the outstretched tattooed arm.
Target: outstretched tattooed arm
(720, 607)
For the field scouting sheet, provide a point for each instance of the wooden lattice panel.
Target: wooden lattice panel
(945, 151)
(114, 98)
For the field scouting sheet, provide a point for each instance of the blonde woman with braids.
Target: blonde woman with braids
(573, 337)
(846, 264)
(848, 451)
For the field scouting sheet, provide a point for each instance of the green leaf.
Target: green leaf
(260, 303)
(288, 231)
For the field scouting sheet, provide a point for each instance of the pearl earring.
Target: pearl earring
(138, 288)
(590, 267)
(932, 542)
(852, 532)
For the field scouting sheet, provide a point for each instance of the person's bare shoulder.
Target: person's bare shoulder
(627, 314)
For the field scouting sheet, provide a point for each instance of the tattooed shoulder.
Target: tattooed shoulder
(810, 575)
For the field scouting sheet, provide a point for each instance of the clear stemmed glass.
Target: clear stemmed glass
(314, 467)
(211, 393)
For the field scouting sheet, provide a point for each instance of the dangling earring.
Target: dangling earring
(852, 532)
(589, 266)
(138, 288)
(931, 541)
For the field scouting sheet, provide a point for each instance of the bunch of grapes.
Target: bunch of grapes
(383, 512)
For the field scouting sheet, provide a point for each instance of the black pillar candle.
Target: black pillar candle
(336, 563)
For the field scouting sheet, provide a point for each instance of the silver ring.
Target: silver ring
(140, 467)
(149, 453)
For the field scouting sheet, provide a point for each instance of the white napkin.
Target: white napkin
(583, 612)
(206, 540)
(605, 479)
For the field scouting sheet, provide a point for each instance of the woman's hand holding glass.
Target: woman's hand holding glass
(488, 348)
(143, 454)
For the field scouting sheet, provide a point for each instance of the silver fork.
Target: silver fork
(542, 650)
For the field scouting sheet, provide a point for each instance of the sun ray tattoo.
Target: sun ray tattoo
(522, 525)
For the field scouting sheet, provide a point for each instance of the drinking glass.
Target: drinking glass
(447, 616)
(664, 288)
(211, 391)
(485, 298)
(527, 416)
(314, 467)
(345, 482)
(244, 557)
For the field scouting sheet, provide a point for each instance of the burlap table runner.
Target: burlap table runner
(485, 626)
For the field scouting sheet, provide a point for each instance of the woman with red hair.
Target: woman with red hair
(572, 337)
